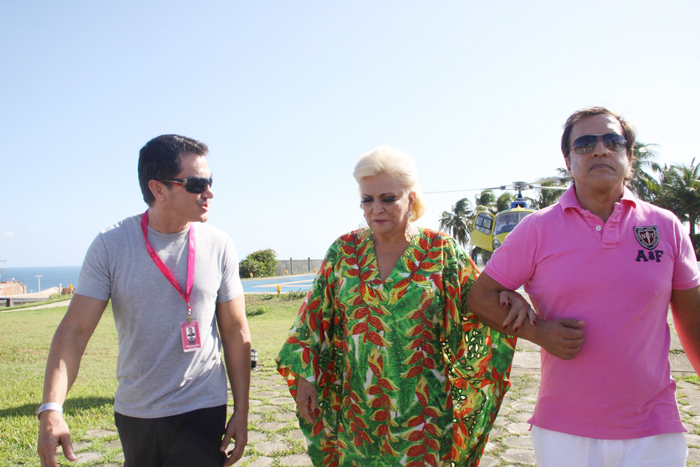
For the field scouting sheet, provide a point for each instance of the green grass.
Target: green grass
(269, 328)
(691, 379)
(23, 352)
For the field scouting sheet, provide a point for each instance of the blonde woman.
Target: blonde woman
(387, 365)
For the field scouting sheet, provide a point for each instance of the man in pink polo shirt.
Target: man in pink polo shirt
(601, 268)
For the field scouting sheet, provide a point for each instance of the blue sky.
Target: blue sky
(288, 94)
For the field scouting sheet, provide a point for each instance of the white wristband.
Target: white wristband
(49, 406)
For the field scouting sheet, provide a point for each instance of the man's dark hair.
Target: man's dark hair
(160, 159)
(628, 130)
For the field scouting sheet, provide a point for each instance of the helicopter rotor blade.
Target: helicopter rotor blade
(555, 188)
(449, 191)
(515, 186)
(502, 187)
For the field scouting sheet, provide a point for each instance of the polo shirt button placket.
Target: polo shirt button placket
(611, 235)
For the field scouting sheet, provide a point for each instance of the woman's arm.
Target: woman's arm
(562, 338)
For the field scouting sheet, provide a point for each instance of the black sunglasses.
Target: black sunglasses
(586, 144)
(194, 185)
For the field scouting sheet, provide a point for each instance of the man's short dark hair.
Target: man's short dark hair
(628, 130)
(160, 159)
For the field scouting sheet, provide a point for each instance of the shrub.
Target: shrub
(294, 295)
(256, 310)
(261, 263)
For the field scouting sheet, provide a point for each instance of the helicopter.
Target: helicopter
(490, 230)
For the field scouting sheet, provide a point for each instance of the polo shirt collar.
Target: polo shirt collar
(569, 200)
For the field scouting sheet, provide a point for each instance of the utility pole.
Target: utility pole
(38, 277)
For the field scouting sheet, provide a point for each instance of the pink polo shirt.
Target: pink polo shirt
(617, 277)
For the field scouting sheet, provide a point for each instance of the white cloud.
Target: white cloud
(8, 234)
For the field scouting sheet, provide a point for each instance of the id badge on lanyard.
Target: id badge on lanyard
(189, 330)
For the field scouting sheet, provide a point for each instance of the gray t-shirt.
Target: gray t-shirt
(156, 377)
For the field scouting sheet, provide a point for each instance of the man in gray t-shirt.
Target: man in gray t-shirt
(178, 302)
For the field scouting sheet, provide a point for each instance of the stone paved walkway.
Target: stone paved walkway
(275, 439)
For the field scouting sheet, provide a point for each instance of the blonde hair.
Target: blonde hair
(399, 165)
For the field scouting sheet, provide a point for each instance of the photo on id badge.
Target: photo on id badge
(190, 336)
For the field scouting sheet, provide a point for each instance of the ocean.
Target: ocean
(67, 275)
(52, 276)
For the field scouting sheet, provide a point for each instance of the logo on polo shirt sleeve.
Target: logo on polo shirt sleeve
(648, 237)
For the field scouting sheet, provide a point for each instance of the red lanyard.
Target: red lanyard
(164, 269)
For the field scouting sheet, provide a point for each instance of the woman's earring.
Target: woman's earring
(363, 230)
(410, 231)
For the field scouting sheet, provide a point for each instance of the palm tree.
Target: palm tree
(503, 201)
(679, 192)
(548, 197)
(457, 221)
(663, 196)
(486, 199)
(643, 185)
(564, 176)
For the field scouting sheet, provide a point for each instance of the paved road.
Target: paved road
(38, 307)
(286, 283)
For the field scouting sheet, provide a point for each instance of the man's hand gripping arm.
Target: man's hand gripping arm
(562, 338)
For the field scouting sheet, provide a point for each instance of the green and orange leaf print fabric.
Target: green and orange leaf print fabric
(405, 374)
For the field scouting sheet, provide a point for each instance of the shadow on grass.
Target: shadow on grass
(73, 406)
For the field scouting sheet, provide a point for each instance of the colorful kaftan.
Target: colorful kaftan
(405, 374)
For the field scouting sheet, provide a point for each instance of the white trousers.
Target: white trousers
(555, 449)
